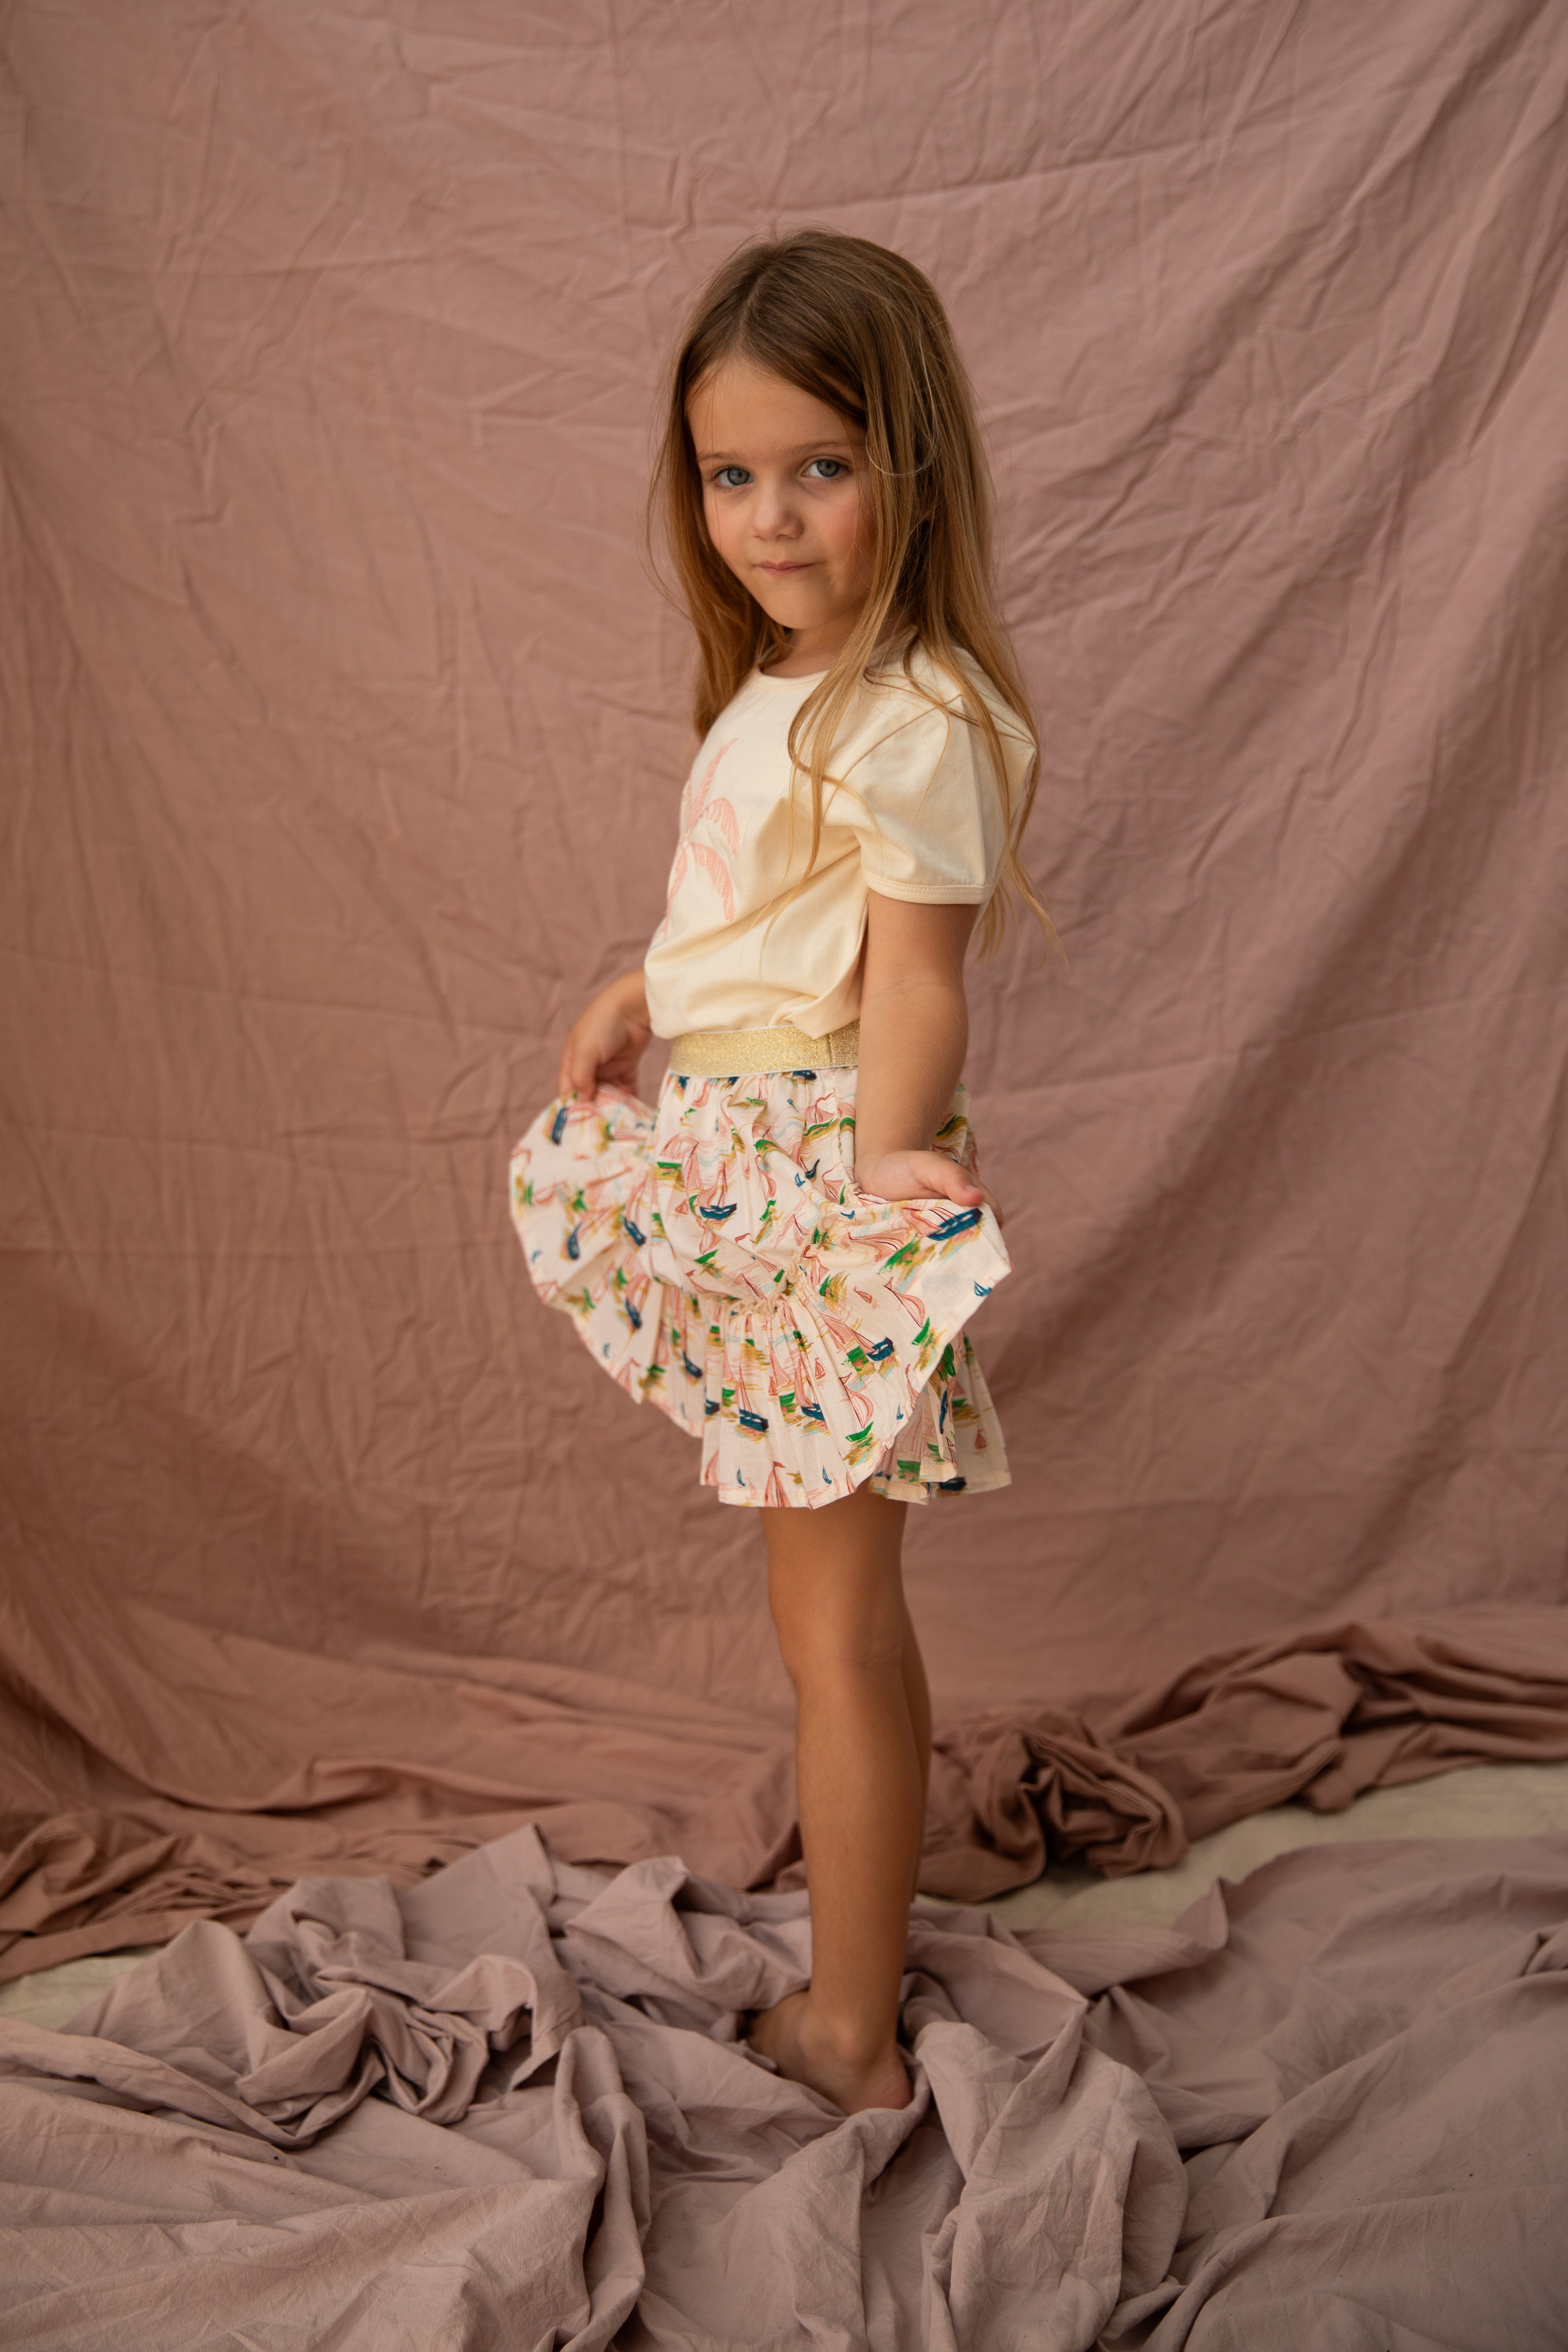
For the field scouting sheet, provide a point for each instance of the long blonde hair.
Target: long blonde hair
(863, 330)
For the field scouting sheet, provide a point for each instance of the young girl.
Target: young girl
(784, 1254)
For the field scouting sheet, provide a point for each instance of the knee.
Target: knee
(819, 1652)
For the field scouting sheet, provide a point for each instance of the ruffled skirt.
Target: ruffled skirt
(717, 1258)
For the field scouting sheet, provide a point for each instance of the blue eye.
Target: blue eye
(836, 466)
(721, 483)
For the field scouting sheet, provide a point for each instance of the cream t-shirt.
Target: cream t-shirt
(916, 815)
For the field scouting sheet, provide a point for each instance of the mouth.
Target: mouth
(783, 571)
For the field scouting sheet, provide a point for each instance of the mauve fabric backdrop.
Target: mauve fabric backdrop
(346, 733)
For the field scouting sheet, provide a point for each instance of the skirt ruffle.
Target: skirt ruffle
(718, 1259)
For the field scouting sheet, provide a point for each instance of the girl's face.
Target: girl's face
(782, 491)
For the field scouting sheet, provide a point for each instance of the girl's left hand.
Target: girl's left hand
(607, 1041)
(923, 1176)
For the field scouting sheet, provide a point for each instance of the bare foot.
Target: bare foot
(801, 2048)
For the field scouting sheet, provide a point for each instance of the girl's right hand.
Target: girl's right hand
(607, 1042)
(924, 1176)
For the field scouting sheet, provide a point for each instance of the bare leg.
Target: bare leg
(862, 1743)
(919, 1699)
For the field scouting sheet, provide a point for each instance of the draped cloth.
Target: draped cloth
(343, 737)
(409, 1770)
(510, 2105)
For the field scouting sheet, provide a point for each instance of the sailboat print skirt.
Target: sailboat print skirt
(717, 1258)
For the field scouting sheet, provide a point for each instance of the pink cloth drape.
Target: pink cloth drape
(343, 737)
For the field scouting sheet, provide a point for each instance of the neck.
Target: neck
(810, 650)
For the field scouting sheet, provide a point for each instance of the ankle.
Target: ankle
(851, 2041)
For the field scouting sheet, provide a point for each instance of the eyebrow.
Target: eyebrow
(707, 456)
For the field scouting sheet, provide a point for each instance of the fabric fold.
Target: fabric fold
(660, 2179)
(1322, 2108)
(617, 1772)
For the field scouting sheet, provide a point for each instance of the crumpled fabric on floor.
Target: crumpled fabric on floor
(508, 2106)
(261, 2128)
(1320, 1713)
(1360, 2051)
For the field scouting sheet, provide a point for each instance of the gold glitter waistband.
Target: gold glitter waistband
(727, 1053)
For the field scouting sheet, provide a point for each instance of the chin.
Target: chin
(788, 613)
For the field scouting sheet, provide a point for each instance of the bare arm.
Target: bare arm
(607, 1041)
(914, 1027)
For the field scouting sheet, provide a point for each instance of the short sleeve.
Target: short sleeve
(923, 802)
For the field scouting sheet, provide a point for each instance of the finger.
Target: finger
(579, 1069)
(957, 1187)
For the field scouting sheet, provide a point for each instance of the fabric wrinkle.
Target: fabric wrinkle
(1325, 2112)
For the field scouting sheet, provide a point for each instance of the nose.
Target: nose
(773, 515)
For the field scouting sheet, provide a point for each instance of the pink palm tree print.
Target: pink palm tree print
(698, 807)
